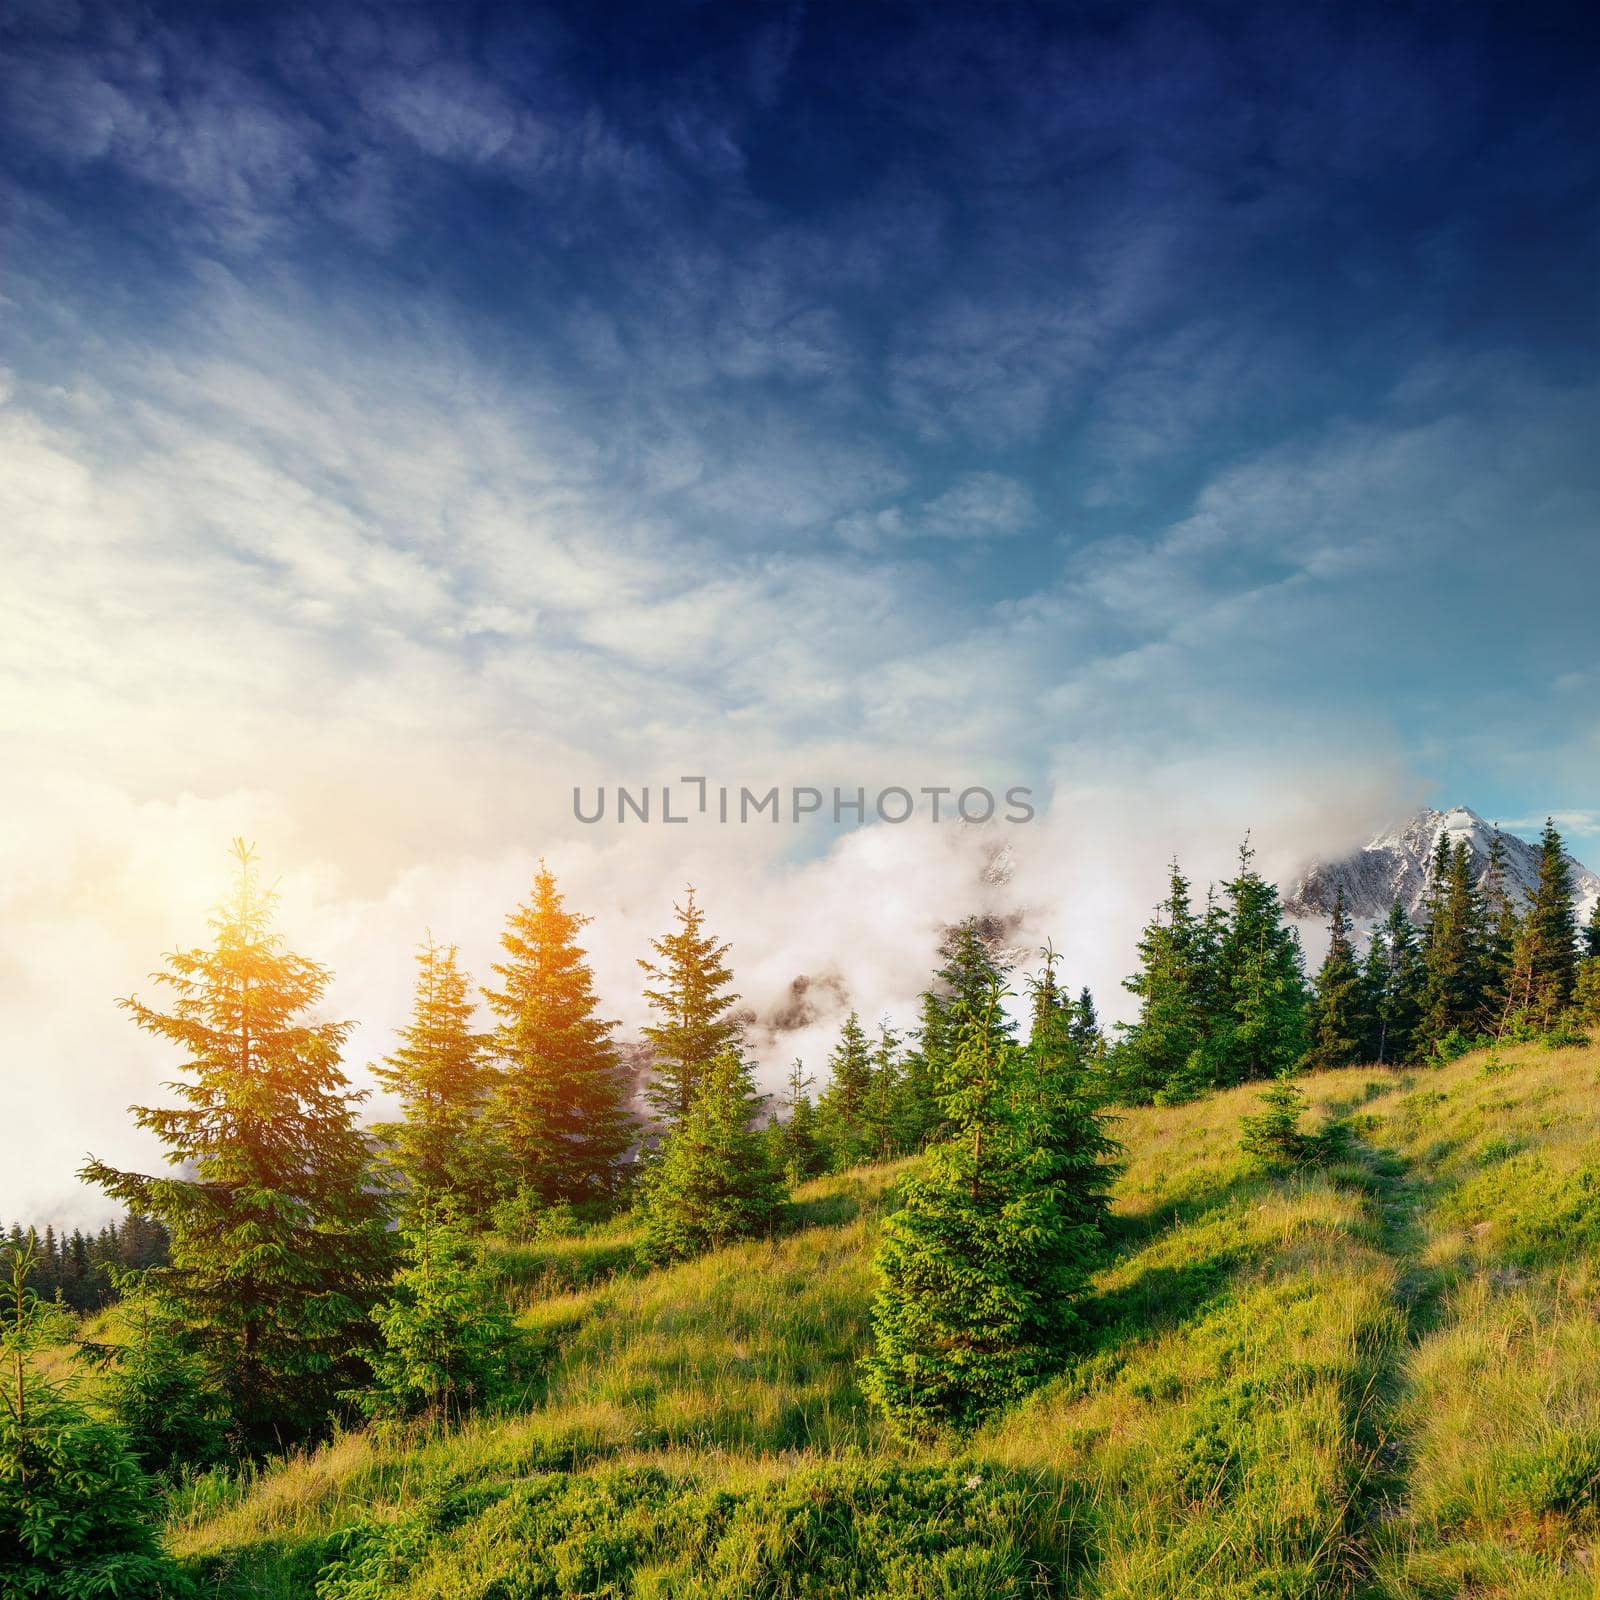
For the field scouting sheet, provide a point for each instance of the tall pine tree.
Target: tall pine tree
(1154, 1057)
(278, 1244)
(560, 1102)
(842, 1108)
(688, 991)
(442, 1077)
(1337, 1023)
(1393, 981)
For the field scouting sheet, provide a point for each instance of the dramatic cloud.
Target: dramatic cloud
(408, 416)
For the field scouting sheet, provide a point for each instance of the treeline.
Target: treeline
(81, 1269)
(1223, 997)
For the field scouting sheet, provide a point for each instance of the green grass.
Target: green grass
(1380, 1380)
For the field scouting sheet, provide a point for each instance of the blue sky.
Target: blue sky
(410, 412)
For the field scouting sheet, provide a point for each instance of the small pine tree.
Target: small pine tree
(696, 1021)
(442, 1077)
(842, 1109)
(885, 1110)
(1085, 1027)
(1273, 1138)
(156, 1389)
(1336, 1021)
(278, 1244)
(713, 1181)
(980, 1269)
(560, 1102)
(75, 1509)
(444, 1331)
(795, 1145)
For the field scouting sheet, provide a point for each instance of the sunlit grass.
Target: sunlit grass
(1382, 1378)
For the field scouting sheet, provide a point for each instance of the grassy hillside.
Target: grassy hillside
(1381, 1379)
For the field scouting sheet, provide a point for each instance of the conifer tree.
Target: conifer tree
(1336, 1020)
(560, 1103)
(1085, 1027)
(1500, 922)
(1273, 1137)
(1393, 982)
(75, 1509)
(842, 1109)
(1553, 928)
(1154, 1057)
(156, 1389)
(796, 1147)
(980, 1269)
(445, 1334)
(277, 1240)
(1260, 1028)
(1591, 931)
(885, 1116)
(442, 1076)
(688, 990)
(1454, 951)
(713, 1182)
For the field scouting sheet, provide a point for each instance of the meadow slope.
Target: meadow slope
(1380, 1378)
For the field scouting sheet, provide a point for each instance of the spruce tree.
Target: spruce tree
(1260, 1028)
(696, 1023)
(980, 1268)
(444, 1332)
(1393, 982)
(76, 1512)
(795, 1144)
(885, 1110)
(277, 1239)
(713, 1182)
(1553, 927)
(1272, 1137)
(1591, 931)
(1500, 937)
(1336, 1019)
(842, 1109)
(1154, 1057)
(442, 1076)
(1454, 952)
(559, 1103)
(1085, 1027)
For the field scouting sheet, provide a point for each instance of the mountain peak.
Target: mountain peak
(1394, 866)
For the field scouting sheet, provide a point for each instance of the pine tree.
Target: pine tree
(1393, 981)
(1500, 937)
(442, 1077)
(156, 1389)
(560, 1101)
(1085, 1027)
(842, 1109)
(885, 1110)
(1337, 1024)
(278, 1244)
(1154, 1057)
(1273, 1137)
(1591, 931)
(75, 1509)
(796, 1147)
(1454, 952)
(980, 1269)
(713, 1182)
(1553, 927)
(1260, 1028)
(690, 996)
(445, 1332)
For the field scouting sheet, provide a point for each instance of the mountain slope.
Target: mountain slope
(1395, 865)
(1379, 1380)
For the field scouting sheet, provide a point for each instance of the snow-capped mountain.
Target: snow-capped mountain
(1395, 864)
